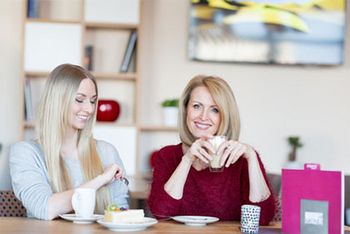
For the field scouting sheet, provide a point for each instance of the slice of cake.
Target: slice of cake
(121, 215)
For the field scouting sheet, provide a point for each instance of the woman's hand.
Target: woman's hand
(232, 150)
(112, 172)
(198, 153)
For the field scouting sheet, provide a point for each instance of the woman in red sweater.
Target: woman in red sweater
(182, 183)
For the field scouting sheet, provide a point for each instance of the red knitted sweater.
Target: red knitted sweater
(207, 193)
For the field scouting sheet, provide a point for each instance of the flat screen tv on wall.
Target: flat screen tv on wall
(299, 32)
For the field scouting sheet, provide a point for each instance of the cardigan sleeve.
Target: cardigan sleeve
(29, 178)
(118, 190)
(268, 205)
(160, 203)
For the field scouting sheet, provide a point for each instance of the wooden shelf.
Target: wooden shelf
(139, 188)
(97, 25)
(28, 124)
(36, 74)
(99, 75)
(115, 76)
(158, 129)
(53, 21)
(113, 124)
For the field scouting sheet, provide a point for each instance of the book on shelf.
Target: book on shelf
(129, 51)
(28, 104)
(33, 8)
(88, 57)
(33, 89)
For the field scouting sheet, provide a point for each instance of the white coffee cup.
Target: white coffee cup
(83, 202)
(214, 165)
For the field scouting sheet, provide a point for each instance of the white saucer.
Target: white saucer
(195, 220)
(128, 227)
(80, 220)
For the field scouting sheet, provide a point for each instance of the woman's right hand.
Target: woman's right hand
(198, 153)
(111, 173)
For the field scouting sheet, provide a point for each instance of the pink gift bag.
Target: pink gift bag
(312, 201)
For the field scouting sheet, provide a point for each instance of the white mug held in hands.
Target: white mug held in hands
(250, 218)
(214, 165)
(83, 202)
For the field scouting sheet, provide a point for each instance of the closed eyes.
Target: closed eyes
(82, 100)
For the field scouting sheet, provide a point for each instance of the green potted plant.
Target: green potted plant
(294, 142)
(170, 103)
(170, 111)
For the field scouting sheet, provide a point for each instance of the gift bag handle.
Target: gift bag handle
(312, 166)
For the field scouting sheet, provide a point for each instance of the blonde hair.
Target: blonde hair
(52, 124)
(223, 98)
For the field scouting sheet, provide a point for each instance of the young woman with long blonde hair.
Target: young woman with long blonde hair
(65, 156)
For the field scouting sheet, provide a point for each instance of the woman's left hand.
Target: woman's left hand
(232, 150)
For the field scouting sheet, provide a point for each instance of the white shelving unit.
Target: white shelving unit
(59, 35)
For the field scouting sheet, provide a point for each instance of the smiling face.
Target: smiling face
(203, 117)
(84, 105)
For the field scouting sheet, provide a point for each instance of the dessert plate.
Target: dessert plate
(195, 220)
(80, 220)
(128, 227)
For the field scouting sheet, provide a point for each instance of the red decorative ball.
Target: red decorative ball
(107, 110)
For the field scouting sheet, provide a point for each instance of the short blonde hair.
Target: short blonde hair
(223, 97)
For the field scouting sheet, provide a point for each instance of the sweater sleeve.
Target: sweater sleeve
(268, 205)
(160, 203)
(118, 190)
(30, 179)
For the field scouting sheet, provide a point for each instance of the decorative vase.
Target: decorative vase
(107, 110)
(170, 116)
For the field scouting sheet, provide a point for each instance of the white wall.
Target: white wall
(275, 101)
(10, 119)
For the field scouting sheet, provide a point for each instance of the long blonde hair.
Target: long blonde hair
(52, 124)
(223, 98)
